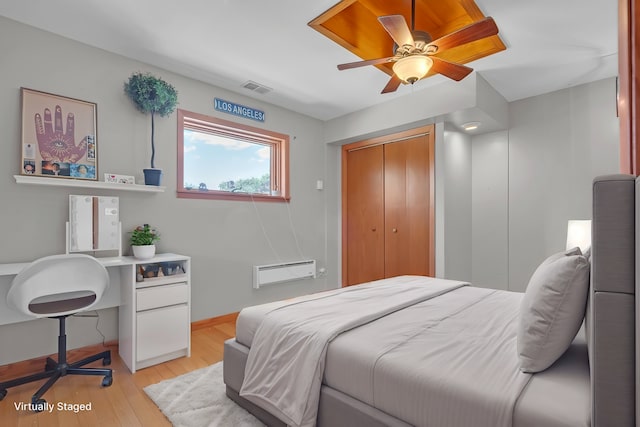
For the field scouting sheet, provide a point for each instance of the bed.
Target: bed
(424, 351)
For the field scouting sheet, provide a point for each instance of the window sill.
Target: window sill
(223, 195)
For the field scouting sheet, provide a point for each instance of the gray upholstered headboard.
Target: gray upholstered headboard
(611, 316)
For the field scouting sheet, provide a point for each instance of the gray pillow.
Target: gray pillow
(552, 309)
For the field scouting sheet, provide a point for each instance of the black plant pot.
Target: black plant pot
(152, 176)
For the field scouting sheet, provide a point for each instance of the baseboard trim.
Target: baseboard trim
(214, 321)
(37, 364)
(27, 367)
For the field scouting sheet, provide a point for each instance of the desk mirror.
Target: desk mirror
(94, 224)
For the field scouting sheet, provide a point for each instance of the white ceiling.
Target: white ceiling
(551, 44)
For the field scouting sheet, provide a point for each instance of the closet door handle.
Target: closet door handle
(395, 230)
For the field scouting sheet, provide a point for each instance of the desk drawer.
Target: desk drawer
(162, 331)
(162, 296)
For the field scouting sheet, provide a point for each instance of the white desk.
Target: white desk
(140, 343)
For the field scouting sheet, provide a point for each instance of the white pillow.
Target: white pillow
(587, 254)
(552, 309)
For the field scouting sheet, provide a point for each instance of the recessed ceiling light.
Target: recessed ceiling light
(471, 126)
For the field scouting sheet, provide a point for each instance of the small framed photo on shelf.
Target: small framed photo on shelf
(58, 136)
(119, 179)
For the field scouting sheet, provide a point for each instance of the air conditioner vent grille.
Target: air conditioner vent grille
(256, 87)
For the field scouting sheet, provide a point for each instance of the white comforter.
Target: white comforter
(286, 362)
(450, 361)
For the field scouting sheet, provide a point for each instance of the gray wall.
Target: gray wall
(530, 180)
(489, 204)
(558, 143)
(407, 112)
(225, 239)
(457, 166)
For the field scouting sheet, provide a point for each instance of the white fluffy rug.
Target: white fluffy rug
(198, 399)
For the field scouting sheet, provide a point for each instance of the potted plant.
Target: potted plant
(155, 96)
(143, 239)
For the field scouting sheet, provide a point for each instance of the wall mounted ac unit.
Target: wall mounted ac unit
(283, 272)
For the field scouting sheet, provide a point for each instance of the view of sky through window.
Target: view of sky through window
(225, 164)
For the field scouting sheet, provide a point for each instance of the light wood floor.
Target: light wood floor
(124, 403)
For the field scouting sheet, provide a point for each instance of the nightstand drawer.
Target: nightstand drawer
(162, 296)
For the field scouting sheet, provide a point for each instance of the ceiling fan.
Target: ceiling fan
(414, 51)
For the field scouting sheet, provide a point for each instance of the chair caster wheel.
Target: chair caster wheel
(38, 405)
(107, 381)
(106, 361)
(3, 393)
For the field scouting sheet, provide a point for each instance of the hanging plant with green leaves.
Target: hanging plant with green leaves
(152, 95)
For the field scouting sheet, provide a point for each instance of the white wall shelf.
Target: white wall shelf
(64, 182)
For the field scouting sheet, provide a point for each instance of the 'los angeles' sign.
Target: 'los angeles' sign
(238, 110)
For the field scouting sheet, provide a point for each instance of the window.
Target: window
(219, 159)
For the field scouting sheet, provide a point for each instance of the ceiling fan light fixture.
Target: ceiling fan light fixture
(412, 68)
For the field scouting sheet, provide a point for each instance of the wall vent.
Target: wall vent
(283, 272)
(256, 87)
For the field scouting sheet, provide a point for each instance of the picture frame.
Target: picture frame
(59, 136)
(119, 179)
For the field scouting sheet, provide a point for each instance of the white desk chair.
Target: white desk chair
(59, 286)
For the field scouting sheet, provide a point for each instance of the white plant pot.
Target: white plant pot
(144, 252)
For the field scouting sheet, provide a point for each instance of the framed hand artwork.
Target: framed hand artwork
(58, 136)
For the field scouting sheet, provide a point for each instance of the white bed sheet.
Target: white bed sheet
(558, 396)
(250, 318)
(450, 361)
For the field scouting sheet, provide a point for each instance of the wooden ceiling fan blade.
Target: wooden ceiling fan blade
(472, 32)
(364, 63)
(452, 70)
(393, 84)
(397, 28)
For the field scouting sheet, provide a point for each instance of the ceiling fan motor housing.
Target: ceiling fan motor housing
(421, 41)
